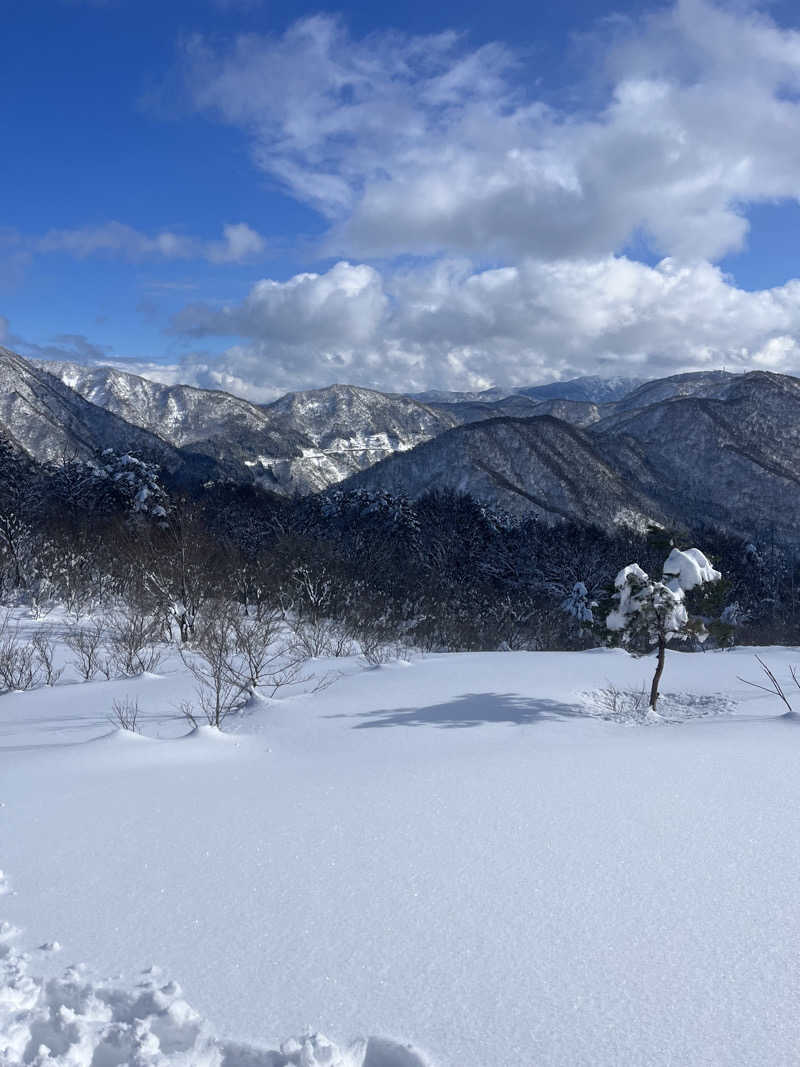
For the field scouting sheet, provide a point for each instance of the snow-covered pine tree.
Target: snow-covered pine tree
(651, 612)
(579, 604)
(136, 482)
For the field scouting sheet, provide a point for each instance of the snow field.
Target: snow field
(71, 1021)
(456, 852)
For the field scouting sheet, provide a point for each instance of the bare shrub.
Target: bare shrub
(232, 656)
(45, 648)
(125, 714)
(621, 705)
(86, 644)
(314, 638)
(187, 710)
(377, 649)
(210, 662)
(263, 659)
(308, 608)
(133, 638)
(19, 668)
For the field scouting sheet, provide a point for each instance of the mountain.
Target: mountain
(540, 466)
(347, 429)
(180, 414)
(50, 421)
(302, 442)
(698, 383)
(586, 389)
(576, 412)
(732, 459)
(446, 396)
(708, 446)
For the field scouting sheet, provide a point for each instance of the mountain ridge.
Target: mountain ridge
(703, 445)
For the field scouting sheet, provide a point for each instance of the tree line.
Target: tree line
(349, 570)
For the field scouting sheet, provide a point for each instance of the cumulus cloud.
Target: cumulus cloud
(449, 326)
(238, 244)
(341, 307)
(423, 145)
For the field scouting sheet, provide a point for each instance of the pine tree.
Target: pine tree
(649, 613)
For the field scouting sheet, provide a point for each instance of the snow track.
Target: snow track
(75, 1021)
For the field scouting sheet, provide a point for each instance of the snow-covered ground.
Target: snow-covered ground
(451, 854)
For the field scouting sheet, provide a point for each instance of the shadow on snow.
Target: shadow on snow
(471, 709)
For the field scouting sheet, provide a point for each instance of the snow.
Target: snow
(658, 606)
(686, 570)
(636, 596)
(578, 604)
(454, 854)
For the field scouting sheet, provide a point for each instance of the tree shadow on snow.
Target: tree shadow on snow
(473, 709)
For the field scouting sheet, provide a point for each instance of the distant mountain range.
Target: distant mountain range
(692, 447)
(589, 389)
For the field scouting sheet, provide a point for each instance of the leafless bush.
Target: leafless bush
(86, 644)
(125, 714)
(232, 656)
(210, 662)
(314, 638)
(45, 648)
(187, 709)
(19, 668)
(263, 660)
(621, 705)
(133, 639)
(376, 649)
(308, 609)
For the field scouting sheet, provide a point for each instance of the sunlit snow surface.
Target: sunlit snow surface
(460, 854)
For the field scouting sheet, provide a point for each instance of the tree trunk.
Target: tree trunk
(662, 648)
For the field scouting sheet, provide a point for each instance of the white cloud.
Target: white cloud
(238, 244)
(427, 146)
(449, 326)
(342, 307)
(423, 145)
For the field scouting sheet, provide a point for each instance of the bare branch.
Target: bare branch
(774, 688)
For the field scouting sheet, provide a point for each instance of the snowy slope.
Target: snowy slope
(450, 853)
(541, 466)
(735, 457)
(303, 442)
(49, 421)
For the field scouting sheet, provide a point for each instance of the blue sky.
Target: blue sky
(264, 196)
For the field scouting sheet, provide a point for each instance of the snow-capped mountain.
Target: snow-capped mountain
(713, 383)
(540, 466)
(732, 459)
(180, 414)
(576, 412)
(50, 421)
(346, 429)
(586, 389)
(302, 442)
(706, 446)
